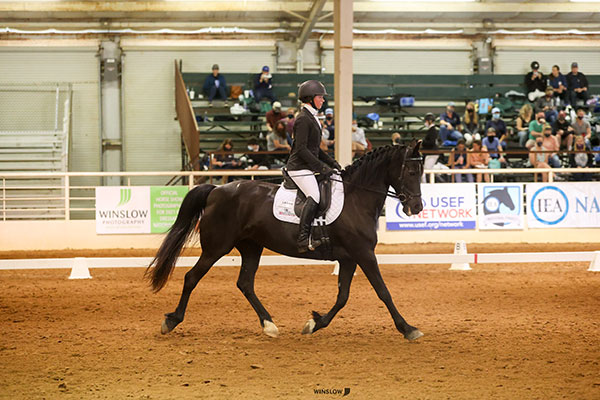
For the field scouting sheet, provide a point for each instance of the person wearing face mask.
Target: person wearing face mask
(492, 143)
(537, 159)
(328, 131)
(274, 115)
(582, 128)
(254, 160)
(359, 140)
(289, 122)
(580, 159)
(499, 126)
(563, 130)
(550, 143)
(536, 127)
(471, 124)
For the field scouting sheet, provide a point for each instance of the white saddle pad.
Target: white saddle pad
(283, 206)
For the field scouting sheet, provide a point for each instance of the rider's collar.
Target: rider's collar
(311, 109)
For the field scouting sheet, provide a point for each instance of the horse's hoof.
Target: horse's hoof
(309, 327)
(414, 334)
(270, 329)
(164, 328)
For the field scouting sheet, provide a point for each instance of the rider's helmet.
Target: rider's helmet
(309, 89)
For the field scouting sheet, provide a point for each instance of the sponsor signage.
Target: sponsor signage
(563, 205)
(137, 209)
(500, 206)
(446, 206)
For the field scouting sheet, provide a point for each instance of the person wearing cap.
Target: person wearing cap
(450, 126)
(263, 87)
(214, 86)
(274, 115)
(307, 159)
(577, 85)
(499, 126)
(558, 82)
(535, 83)
(329, 130)
(548, 105)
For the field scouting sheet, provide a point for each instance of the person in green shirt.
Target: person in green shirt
(536, 128)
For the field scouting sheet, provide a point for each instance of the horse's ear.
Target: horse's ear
(416, 148)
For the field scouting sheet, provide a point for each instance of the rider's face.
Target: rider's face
(319, 100)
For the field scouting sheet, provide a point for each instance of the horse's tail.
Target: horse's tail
(160, 269)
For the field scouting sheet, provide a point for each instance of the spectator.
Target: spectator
(580, 159)
(329, 126)
(577, 85)
(289, 121)
(550, 143)
(461, 161)
(492, 144)
(499, 127)
(563, 130)
(274, 115)
(582, 128)
(548, 105)
(535, 82)
(397, 139)
(523, 120)
(214, 86)
(225, 161)
(471, 124)
(536, 128)
(263, 87)
(277, 140)
(595, 144)
(256, 161)
(430, 143)
(450, 126)
(539, 160)
(475, 159)
(558, 82)
(359, 140)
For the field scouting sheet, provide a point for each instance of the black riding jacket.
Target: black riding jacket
(306, 153)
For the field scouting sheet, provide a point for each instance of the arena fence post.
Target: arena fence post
(80, 269)
(460, 247)
(595, 264)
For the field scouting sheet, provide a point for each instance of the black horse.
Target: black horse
(240, 215)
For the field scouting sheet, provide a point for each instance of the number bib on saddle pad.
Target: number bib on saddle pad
(285, 199)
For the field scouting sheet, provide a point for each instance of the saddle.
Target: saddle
(324, 191)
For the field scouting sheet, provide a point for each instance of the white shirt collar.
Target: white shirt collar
(313, 112)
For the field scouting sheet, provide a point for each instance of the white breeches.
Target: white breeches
(306, 181)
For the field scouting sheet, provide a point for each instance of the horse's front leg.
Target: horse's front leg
(368, 263)
(317, 322)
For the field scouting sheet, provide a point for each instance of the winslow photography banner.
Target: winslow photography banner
(137, 209)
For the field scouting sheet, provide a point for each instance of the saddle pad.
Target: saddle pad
(283, 205)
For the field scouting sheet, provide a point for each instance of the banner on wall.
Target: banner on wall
(137, 209)
(563, 205)
(500, 206)
(445, 206)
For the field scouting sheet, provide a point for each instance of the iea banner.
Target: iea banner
(563, 205)
(137, 209)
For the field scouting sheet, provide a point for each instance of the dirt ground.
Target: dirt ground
(506, 331)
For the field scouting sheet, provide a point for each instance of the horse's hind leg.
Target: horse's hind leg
(250, 259)
(370, 268)
(317, 322)
(192, 277)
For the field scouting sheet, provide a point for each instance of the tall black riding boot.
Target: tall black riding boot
(306, 218)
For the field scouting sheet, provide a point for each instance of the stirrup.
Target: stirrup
(310, 243)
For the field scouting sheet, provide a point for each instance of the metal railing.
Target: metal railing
(61, 182)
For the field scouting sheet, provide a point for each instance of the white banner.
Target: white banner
(500, 206)
(563, 205)
(123, 209)
(445, 206)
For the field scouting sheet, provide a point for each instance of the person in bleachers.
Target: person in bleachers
(214, 86)
(551, 143)
(548, 105)
(359, 140)
(263, 86)
(580, 159)
(535, 82)
(539, 160)
(274, 115)
(328, 141)
(492, 143)
(429, 143)
(582, 128)
(563, 130)
(536, 128)
(290, 118)
(471, 124)
(397, 139)
(558, 82)
(450, 126)
(475, 159)
(499, 126)
(277, 140)
(523, 121)
(577, 84)
(461, 161)
(225, 161)
(254, 160)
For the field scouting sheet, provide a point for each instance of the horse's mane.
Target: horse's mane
(362, 170)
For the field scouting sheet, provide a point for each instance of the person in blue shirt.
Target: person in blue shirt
(498, 125)
(577, 84)
(493, 145)
(559, 83)
(450, 126)
(263, 88)
(214, 86)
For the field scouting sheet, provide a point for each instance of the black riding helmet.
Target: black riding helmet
(309, 89)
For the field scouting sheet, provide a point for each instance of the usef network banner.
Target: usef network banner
(139, 209)
(445, 206)
(563, 205)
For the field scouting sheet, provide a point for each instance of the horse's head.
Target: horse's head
(405, 177)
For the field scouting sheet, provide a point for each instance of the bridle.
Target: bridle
(406, 195)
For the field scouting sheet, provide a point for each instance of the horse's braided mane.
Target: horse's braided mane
(369, 162)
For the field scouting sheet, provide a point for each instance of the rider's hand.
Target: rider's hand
(326, 170)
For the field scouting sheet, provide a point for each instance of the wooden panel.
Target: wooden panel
(187, 120)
